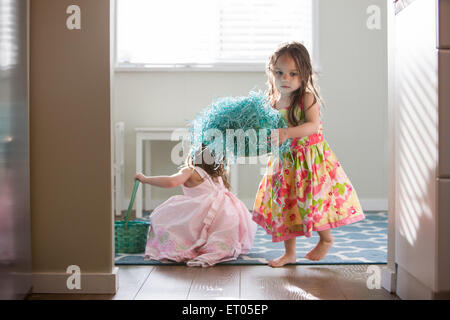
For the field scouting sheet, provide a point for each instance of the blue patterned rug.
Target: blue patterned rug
(362, 242)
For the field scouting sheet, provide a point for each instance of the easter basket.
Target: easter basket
(227, 120)
(239, 127)
(131, 236)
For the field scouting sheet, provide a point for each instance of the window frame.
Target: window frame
(216, 67)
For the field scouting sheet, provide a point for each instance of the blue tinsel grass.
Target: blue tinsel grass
(209, 127)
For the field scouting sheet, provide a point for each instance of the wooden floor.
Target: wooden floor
(294, 282)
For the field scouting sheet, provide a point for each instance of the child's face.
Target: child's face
(286, 75)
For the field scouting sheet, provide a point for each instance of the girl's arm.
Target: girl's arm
(166, 181)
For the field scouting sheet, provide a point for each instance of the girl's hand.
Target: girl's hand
(140, 177)
(282, 136)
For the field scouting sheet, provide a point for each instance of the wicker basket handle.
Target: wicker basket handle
(133, 195)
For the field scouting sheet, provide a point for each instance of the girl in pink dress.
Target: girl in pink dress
(204, 226)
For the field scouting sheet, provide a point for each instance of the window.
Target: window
(208, 34)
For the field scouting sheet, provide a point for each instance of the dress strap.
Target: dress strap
(302, 109)
(302, 113)
(201, 172)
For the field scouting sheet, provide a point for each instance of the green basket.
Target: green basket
(131, 236)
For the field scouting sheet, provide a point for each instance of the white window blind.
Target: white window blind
(173, 33)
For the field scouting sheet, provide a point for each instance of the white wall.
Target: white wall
(353, 83)
(354, 86)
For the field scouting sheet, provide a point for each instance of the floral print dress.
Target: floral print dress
(306, 192)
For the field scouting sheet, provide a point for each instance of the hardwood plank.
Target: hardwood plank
(131, 279)
(352, 280)
(361, 293)
(218, 282)
(167, 283)
(319, 281)
(288, 283)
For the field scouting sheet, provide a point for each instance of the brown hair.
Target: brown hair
(302, 60)
(204, 160)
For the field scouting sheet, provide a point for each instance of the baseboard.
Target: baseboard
(444, 295)
(366, 204)
(90, 283)
(388, 279)
(410, 288)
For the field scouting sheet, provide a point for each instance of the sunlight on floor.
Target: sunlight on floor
(299, 292)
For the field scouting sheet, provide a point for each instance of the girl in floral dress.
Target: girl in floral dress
(308, 190)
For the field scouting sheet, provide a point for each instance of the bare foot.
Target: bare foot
(281, 261)
(320, 250)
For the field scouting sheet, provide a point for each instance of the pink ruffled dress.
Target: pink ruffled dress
(206, 225)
